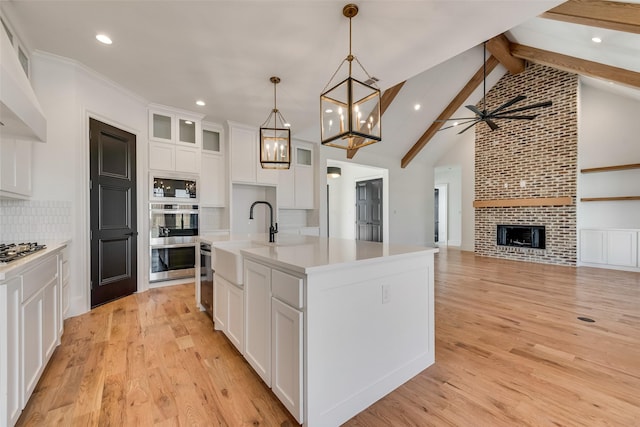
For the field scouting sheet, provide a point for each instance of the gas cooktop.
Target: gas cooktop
(14, 251)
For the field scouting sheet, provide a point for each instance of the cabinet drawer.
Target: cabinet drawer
(287, 288)
(39, 277)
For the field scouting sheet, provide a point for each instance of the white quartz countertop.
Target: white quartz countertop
(15, 267)
(307, 254)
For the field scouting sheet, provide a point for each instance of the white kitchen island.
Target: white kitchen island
(333, 325)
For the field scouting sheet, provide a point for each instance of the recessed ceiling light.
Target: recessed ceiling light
(103, 38)
(200, 103)
(188, 122)
(416, 107)
(455, 123)
(287, 125)
(596, 39)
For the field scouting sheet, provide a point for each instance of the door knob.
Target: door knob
(133, 233)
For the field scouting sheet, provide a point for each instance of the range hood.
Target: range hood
(20, 111)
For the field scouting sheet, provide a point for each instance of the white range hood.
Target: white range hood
(20, 111)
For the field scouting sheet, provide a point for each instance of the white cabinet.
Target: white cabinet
(296, 189)
(213, 176)
(228, 311)
(609, 248)
(15, 168)
(10, 346)
(244, 149)
(274, 332)
(257, 291)
(65, 299)
(174, 140)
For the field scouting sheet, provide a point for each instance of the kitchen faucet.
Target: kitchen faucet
(273, 228)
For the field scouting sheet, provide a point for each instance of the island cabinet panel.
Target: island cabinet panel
(220, 303)
(257, 289)
(228, 311)
(287, 352)
(10, 406)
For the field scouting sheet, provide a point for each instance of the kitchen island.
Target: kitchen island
(333, 325)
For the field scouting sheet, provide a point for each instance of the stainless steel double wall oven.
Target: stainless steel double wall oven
(173, 226)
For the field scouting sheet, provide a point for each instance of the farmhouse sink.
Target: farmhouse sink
(227, 259)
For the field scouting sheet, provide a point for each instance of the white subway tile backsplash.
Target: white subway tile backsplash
(39, 221)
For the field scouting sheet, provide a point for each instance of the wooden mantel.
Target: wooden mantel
(508, 203)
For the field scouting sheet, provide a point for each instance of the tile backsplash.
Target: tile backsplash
(42, 221)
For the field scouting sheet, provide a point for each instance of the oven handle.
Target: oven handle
(173, 211)
(205, 251)
(172, 245)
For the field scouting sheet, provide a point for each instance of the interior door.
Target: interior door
(369, 210)
(113, 213)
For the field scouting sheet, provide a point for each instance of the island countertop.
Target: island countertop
(306, 254)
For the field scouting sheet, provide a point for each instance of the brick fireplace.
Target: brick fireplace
(529, 162)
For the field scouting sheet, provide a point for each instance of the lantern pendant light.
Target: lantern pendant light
(275, 140)
(350, 110)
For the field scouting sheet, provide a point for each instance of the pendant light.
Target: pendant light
(275, 140)
(350, 110)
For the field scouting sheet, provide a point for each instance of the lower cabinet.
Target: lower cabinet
(30, 330)
(228, 311)
(609, 248)
(274, 332)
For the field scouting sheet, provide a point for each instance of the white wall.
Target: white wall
(410, 192)
(456, 168)
(69, 94)
(608, 135)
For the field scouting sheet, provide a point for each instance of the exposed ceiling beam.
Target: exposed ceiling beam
(456, 103)
(597, 13)
(499, 47)
(576, 65)
(385, 100)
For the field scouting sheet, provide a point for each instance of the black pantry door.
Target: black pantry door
(369, 210)
(113, 213)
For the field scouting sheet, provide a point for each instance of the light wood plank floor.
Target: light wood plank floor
(510, 351)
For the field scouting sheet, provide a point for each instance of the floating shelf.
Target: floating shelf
(608, 199)
(611, 168)
(538, 201)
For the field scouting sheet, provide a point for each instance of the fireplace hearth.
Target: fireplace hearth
(521, 236)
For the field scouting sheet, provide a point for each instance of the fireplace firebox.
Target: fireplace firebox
(521, 236)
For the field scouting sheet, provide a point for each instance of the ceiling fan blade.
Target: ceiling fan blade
(515, 117)
(469, 127)
(475, 110)
(508, 104)
(528, 107)
(459, 124)
(459, 118)
(491, 124)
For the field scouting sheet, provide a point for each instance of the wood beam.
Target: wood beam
(456, 103)
(576, 65)
(611, 15)
(385, 101)
(499, 47)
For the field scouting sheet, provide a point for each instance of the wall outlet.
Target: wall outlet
(385, 294)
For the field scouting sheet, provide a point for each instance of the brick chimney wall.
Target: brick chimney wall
(530, 159)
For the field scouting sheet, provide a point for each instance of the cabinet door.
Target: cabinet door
(11, 335)
(50, 308)
(187, 159)
(286, 345)
(15, 167)
(286, 192)
(304, 188)
(257, 290)
(220, 303)
(161, 156)
(32, 340)
(189, 131)
(593, 246)
(243, 144)
(622, 246)
(235, 322)
(161, 127)
(213, 180)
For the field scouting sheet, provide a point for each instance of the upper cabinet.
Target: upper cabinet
(175, 138)
(15, 168)
(213, 174)
(296, 186)
(245, 165)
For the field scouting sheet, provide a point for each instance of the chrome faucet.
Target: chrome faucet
(273, 228)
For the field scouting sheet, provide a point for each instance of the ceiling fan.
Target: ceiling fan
(500, 113)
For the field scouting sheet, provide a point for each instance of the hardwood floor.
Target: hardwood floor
(509, 351)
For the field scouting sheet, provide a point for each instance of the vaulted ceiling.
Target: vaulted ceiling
(175, 52)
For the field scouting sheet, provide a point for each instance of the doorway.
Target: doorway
(440, 214)
(113, 229)
(369, 210)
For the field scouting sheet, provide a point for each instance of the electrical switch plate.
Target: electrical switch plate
(385, 294)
